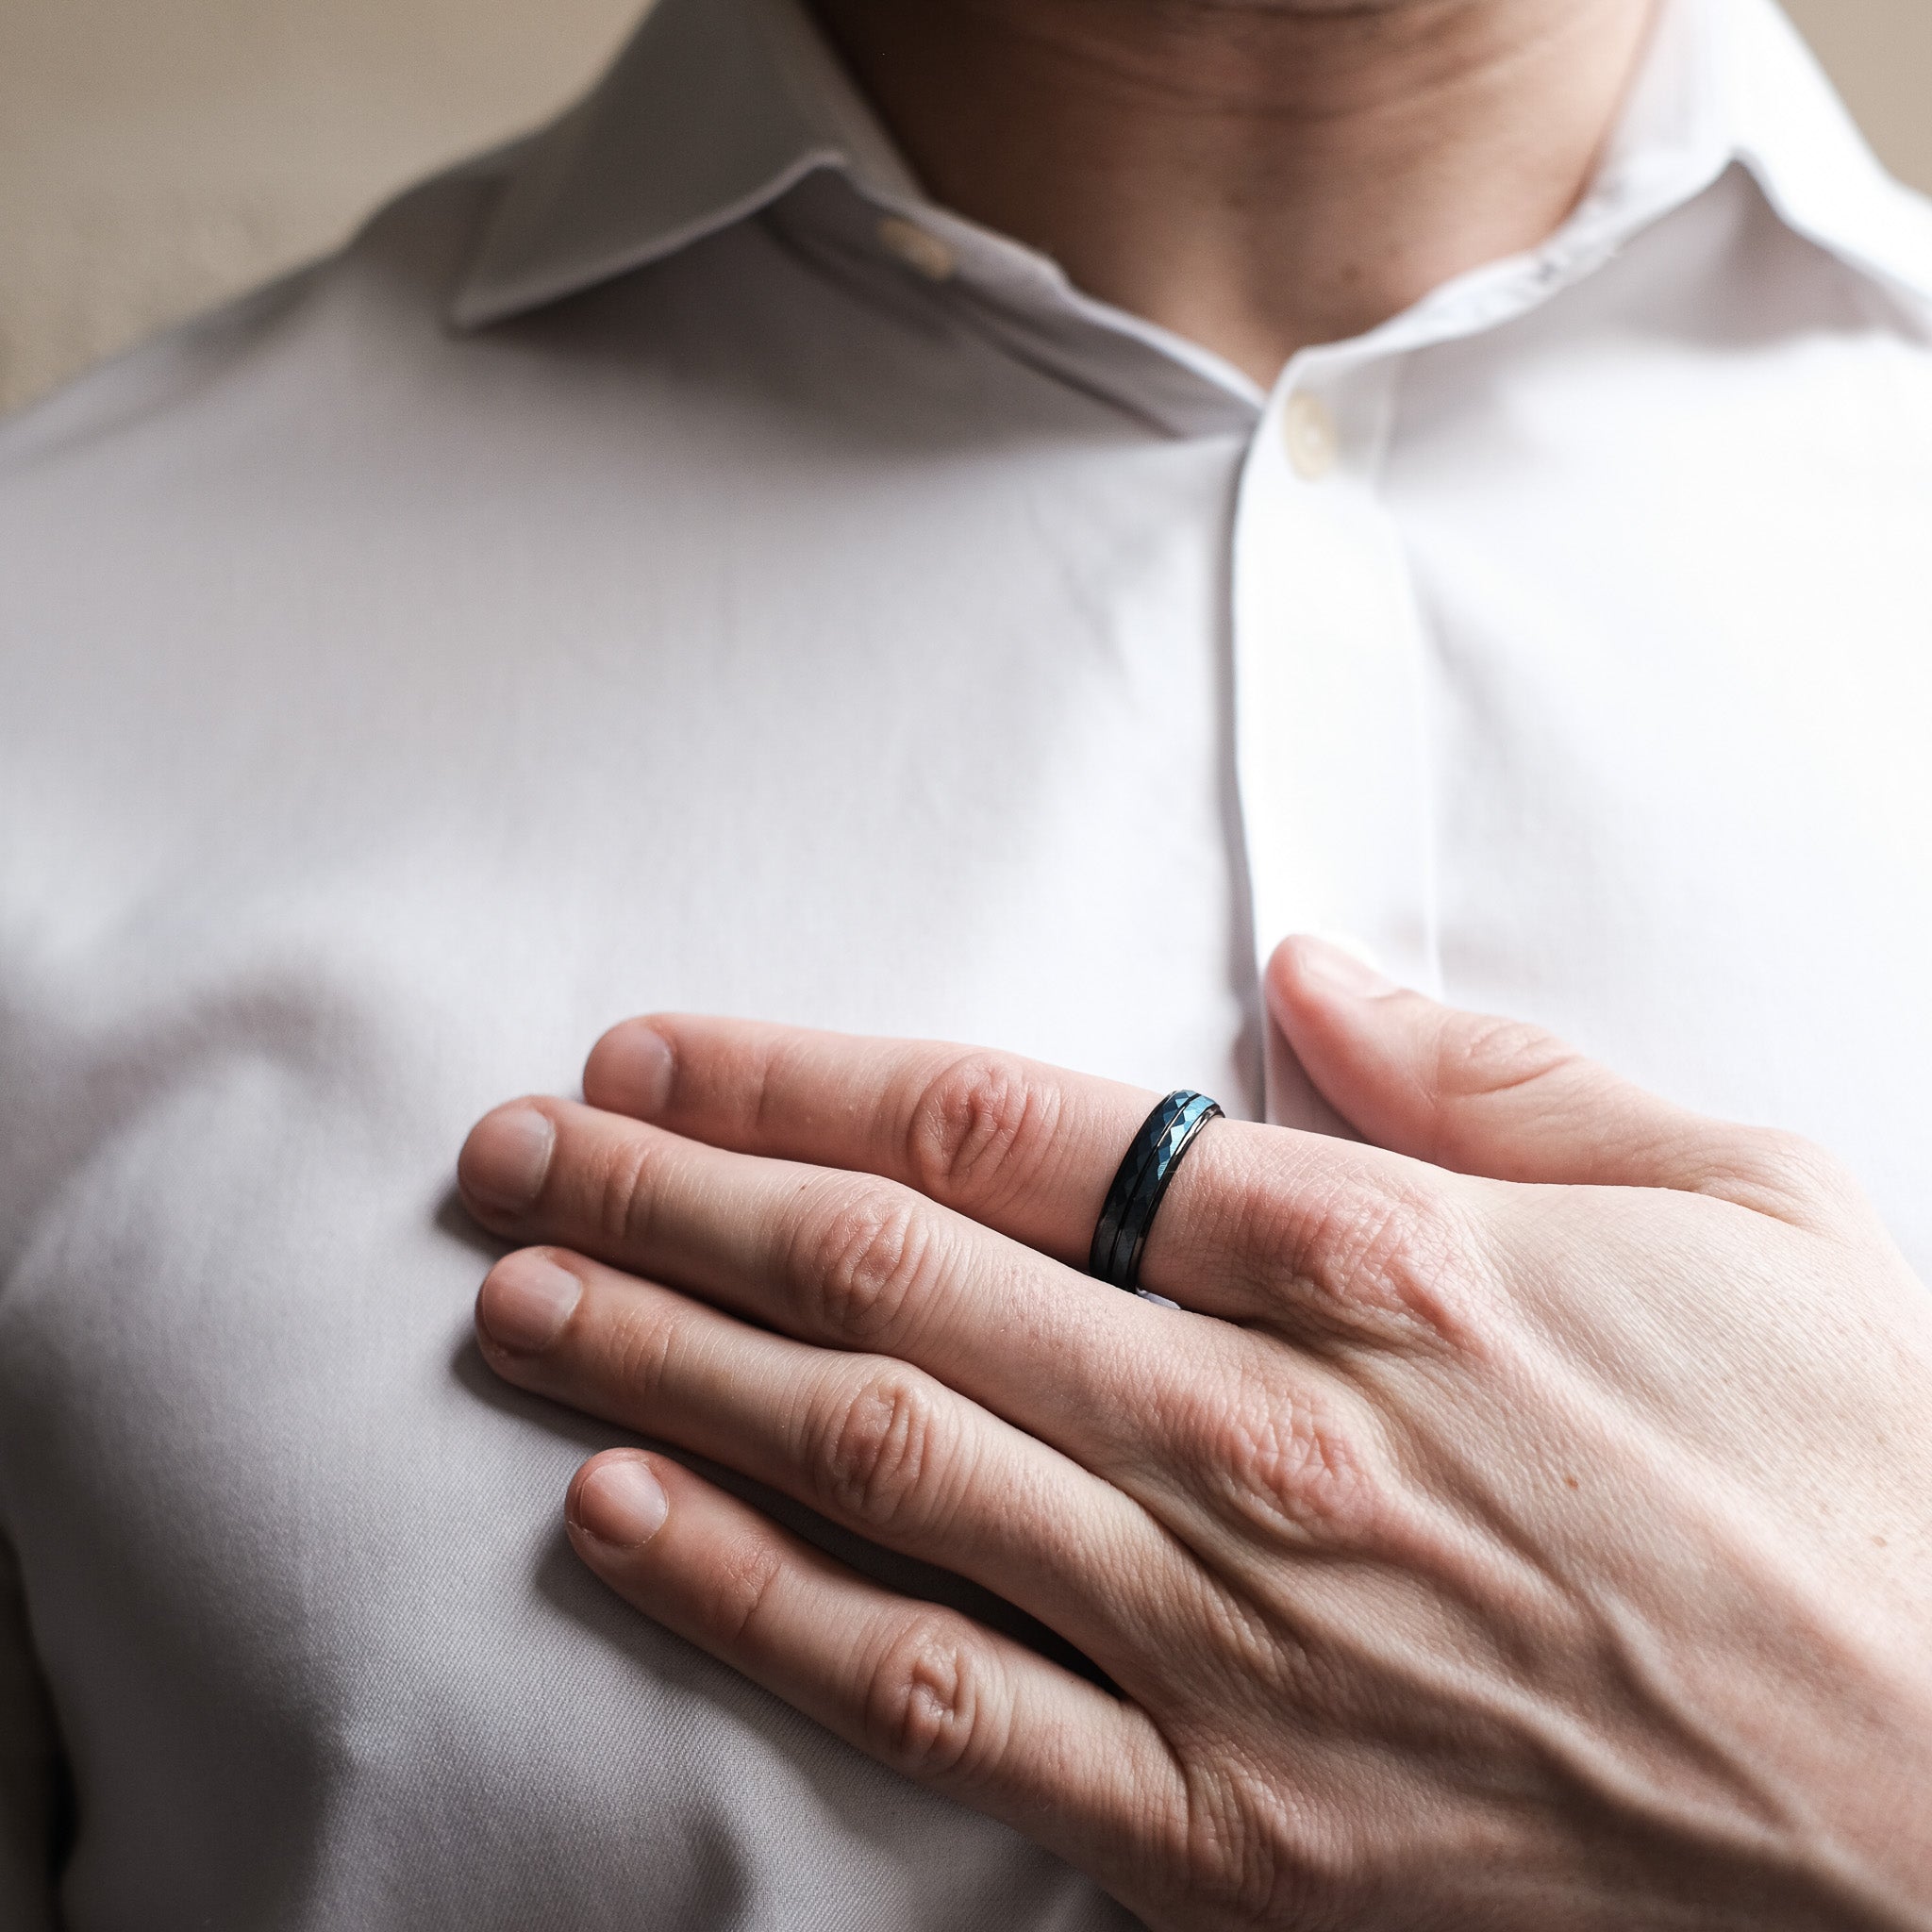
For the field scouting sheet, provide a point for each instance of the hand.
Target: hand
(1522, 1523)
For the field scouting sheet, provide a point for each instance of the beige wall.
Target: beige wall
(1880, 52)
(155, 154)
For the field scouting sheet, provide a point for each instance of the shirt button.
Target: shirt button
(1308, 432)
(909, 243)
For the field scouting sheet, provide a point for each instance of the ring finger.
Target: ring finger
(1026, 1149)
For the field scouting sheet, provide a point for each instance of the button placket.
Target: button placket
(1330, 735)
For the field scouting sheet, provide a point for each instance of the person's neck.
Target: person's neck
(1255, 174)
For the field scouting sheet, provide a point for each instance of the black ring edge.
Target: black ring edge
(1104, 1251)
(1136, 1195)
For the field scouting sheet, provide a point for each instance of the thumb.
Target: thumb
(1499, 1097)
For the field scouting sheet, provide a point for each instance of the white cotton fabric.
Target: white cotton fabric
(631, 578)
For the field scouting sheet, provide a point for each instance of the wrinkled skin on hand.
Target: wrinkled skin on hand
(1520, 1523)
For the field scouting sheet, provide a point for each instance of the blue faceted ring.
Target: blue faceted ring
(1133, 1201)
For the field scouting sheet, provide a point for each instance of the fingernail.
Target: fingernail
(631, 1070)
(526, 1301)
(621, 1503)
(506, 1158)
(1340, 965)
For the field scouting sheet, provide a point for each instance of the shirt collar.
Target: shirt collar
(714, 109)
(717, 107)
(1785, 122)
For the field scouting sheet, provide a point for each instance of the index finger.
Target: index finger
(1024, 1149)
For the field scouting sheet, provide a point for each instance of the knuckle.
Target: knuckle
(1248, 1848)
(1494, 1055)
(624, 1176)
(878, 1453)
(934, 1706)
(1799, 1167)
(1409, 1256)
(862, 1257)
(737, 1584)
(637, 1353)
(1776, 1173)
(1288, 1458)
(1402, 1266)
(974, 1124)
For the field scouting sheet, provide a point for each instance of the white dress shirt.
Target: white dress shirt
(669, 564)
